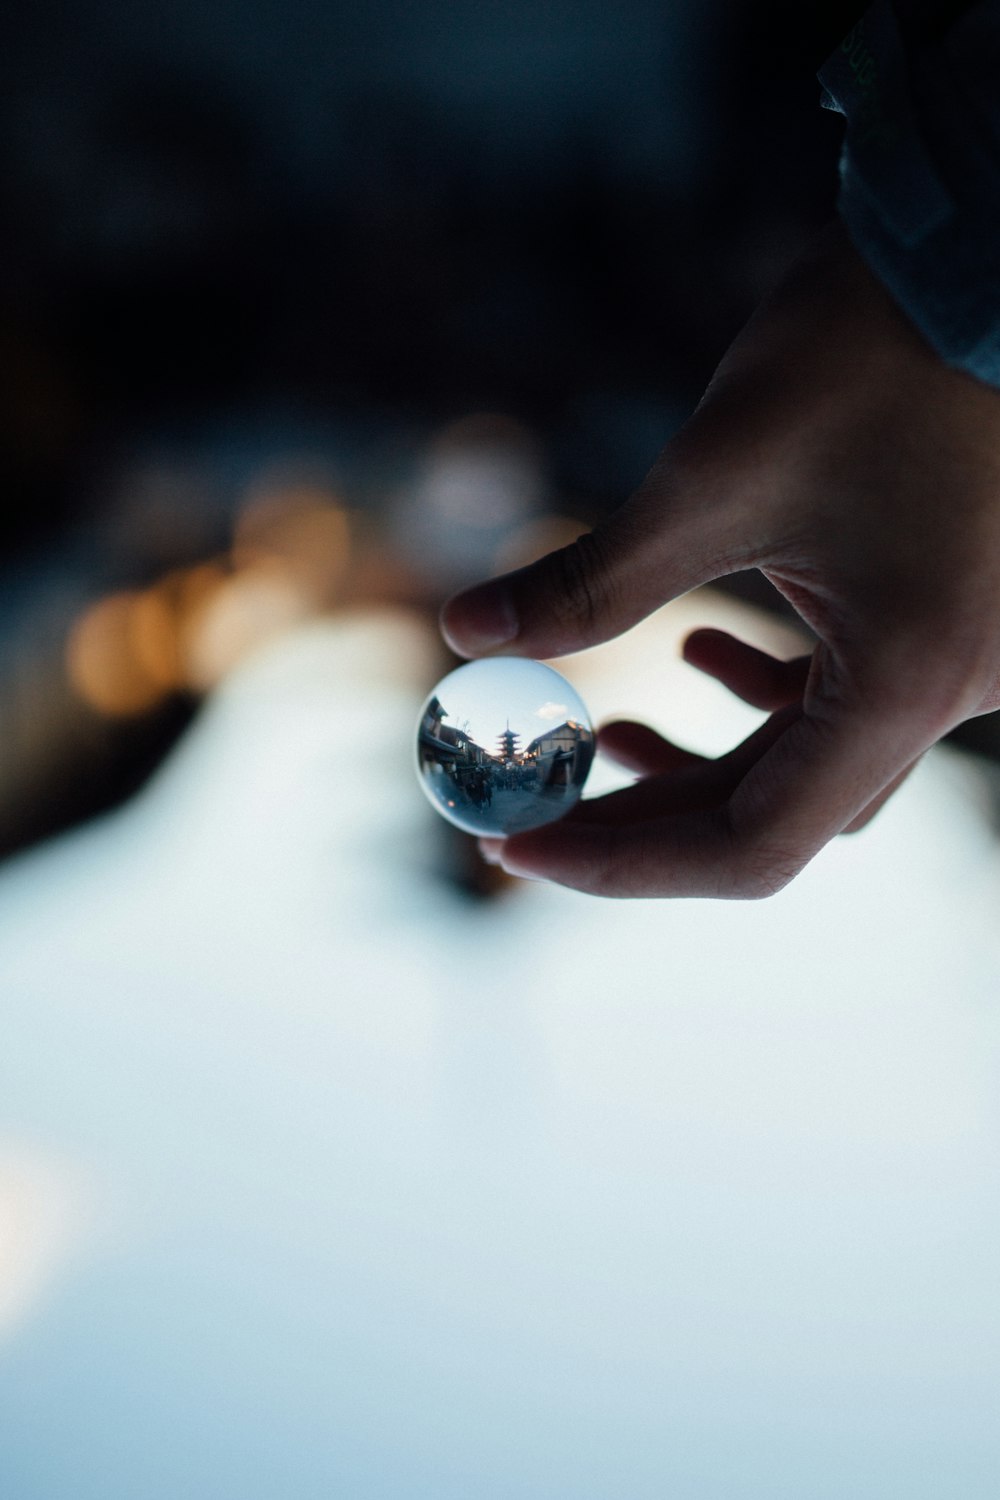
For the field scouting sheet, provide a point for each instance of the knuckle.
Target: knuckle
(953, 695)
(937, 672)
(928, 703)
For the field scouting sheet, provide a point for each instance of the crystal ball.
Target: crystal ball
(503, 745)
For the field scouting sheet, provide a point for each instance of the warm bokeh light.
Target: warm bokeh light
(536, 539)
(248, 609)
(299, 527)
(189, 591)
(120, 654)
(153, 637)
(132, 649)
(290, 554)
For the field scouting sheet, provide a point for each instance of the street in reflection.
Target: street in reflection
(503, 745)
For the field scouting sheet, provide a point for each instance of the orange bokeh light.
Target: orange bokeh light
(120, 655)
(299, 528)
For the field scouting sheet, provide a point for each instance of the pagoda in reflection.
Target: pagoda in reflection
(508, 749)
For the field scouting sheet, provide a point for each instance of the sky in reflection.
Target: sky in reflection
(486, 697)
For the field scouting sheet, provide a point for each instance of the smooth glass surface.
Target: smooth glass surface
(503, 745)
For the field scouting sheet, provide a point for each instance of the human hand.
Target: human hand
(837, 453)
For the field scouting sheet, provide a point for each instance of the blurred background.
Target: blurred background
(331, 1163)
(305, 306)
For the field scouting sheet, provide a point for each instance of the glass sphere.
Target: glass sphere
(503, 745)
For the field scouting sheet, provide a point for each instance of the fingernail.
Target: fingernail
(490, 850)
(479, 619)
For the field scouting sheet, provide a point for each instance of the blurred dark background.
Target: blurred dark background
(292, 294)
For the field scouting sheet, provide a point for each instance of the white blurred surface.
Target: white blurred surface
(387, 1195)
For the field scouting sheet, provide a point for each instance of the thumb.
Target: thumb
(657, 546)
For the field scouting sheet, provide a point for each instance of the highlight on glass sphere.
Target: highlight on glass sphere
(503, 745)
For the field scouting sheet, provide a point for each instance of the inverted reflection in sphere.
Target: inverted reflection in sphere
(503, 745)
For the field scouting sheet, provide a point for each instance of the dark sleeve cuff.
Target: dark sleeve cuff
(920, 173)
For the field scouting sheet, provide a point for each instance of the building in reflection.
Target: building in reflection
(445, 750)
(562, 755)
(450, 746)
